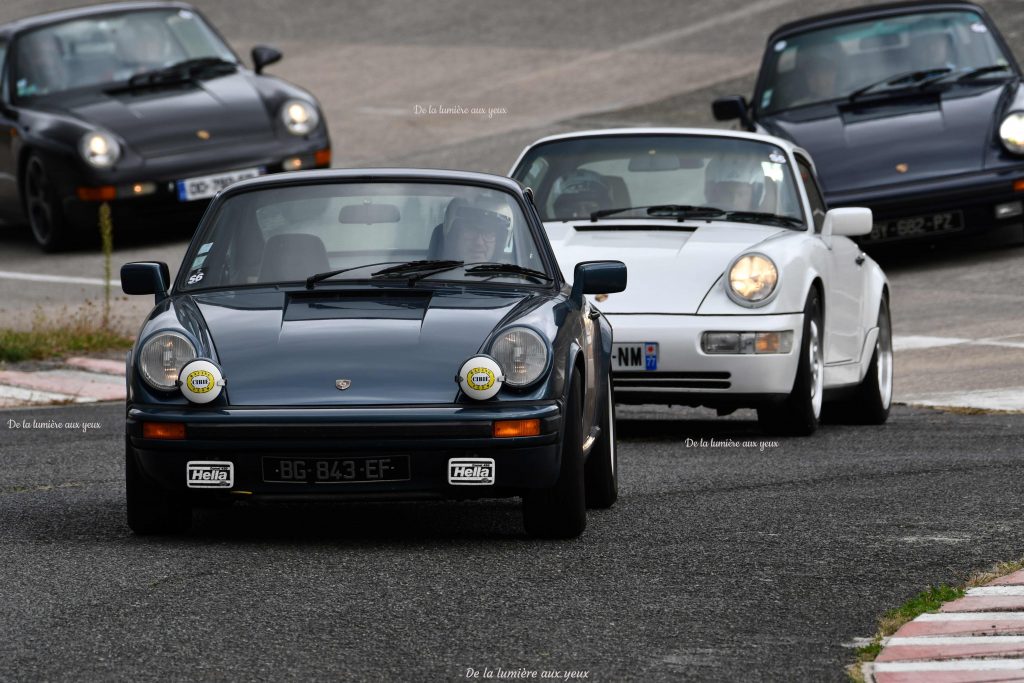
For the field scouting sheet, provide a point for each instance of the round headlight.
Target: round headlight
(99, 149)
(522, 355)
(752, 279)
(162, 358)
(299, 117)
(1011, 131)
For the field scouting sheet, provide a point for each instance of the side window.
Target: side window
(814, 195)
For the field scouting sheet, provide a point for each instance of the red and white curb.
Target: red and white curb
(84, 380)
(979, 637)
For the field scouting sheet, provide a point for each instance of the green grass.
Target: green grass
(929, 600)
(83, 332)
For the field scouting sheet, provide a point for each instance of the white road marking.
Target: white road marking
(35, 396)
(60, 279)
(951, 665)
(907, 641)
(996, 590)
(971, 616)
(996, 399)
(912, 342)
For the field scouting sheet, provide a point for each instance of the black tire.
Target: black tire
(42, 208)
(561, 511)
(870, 403)
(602, 467)
(150, 509)
(800, 413)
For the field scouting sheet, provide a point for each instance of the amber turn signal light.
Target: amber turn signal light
(163, 430)
(322, 158)
(508, 428)
(1018, 185)
(104, 193)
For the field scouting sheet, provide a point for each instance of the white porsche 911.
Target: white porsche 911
(744, 289)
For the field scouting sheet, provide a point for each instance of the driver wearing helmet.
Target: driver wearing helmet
(477, 233)
(734, 182)
(581, 193)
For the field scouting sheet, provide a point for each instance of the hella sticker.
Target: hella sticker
(471, 471)
(210, 474)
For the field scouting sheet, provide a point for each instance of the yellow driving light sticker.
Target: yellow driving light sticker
(480, 377)
(201, 381)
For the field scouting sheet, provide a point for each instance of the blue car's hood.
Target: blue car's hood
(859, 147)
(396, 347)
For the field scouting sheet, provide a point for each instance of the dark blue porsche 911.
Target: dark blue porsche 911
(371, 334)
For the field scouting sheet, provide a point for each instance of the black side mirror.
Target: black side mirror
(597, 277)
(146, 277)
(735, 107)
(264, 55)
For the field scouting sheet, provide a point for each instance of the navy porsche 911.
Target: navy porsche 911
(371, 334)
(912, 109)
(142, 105)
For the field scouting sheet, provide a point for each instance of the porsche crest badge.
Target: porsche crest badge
(342, 384)
(902, 168)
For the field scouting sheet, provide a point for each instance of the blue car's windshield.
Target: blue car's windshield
(834, 63)
(110, 48)
(284, 235)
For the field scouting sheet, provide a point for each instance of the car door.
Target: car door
(843, 287)
(9, 202)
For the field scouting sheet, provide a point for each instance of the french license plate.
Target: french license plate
(917, 226)
(642, 357)
(205, 186)
(335, 470)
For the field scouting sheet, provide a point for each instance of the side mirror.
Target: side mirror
(734, 107)
(597, 277)
(146, 277)
(848, 221)
(264, 55)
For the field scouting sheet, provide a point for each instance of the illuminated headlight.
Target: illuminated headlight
(99, 149)
(752, 279)
(299, 117)
(162, 358)
(522, 355)
(1011, 130)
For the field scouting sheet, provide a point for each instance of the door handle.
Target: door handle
(860, 259)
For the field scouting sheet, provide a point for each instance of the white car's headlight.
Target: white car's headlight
(752, 279)
(162, 358)
(1011, 131)
(99, 150)
(299, 117)
(522, 355)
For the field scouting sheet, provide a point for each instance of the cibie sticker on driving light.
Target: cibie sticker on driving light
(201, 381)
(471, 471)
(210, 474)
(480, 377)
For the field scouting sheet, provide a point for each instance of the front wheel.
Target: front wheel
(560, 511)
(602, 468)
(152, 510)
(800, 412)
(45, 215)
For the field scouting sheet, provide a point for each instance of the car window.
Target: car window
(814, 195)
(286, 234)
(109, 48)
(827, 64)
(574, 177)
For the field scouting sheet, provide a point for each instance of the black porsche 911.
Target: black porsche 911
(145, 106)
(912, 109)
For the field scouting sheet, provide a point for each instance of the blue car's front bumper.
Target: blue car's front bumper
(428, 435)
(973, 195)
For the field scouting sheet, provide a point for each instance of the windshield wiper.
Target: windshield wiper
(319, 277)
(763, 217)
(908, 79)
(981, 71)
(506, 269)
(182, 72)
(417, 270)
(674, 209)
